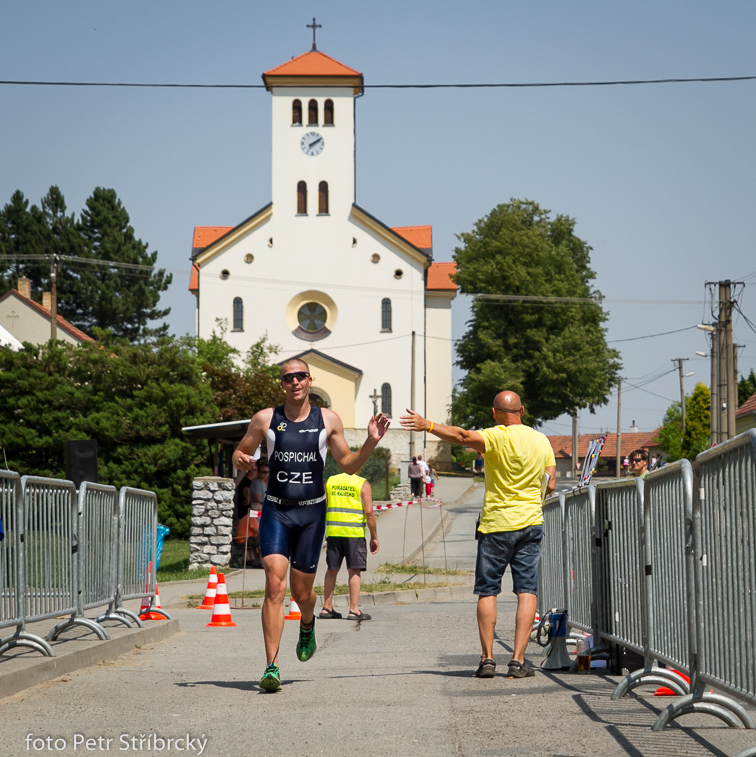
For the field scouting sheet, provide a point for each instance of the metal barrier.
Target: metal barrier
(95, 533)
(551, 574)
(137, 551)
(12, 569)
(724, 544)
(619, 552)
(668, 580)
(579, 556)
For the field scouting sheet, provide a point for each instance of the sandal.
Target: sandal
(330, 614)
(519, 669)
(486, 669)
(359, 615)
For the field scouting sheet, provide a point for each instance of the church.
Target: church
(360, 301)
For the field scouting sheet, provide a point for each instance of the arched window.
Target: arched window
(323, 198)
(296, 112)
(238, 314)
(386, 399)
(328, 113)
(302, 198)
(385, 314)
(312, 113)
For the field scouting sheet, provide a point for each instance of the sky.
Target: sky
(659, 178)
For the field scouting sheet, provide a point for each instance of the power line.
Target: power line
(650, 336)
(489, 85)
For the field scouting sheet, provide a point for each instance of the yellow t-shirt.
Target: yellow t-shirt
(515, 459)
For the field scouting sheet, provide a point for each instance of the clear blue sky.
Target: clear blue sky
(660, 178)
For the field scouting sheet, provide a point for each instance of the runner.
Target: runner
(297, 436)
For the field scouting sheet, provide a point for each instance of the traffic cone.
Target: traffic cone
(294, 612)
(221, 610)
(212, 583)
(149, 615)
(665, 691)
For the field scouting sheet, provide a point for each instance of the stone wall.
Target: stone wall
(212, 521)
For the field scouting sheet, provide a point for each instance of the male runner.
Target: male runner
(298, 437)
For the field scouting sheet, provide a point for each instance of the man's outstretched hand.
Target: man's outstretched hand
(413, 421)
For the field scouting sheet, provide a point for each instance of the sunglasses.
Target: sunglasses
(287, 378)
(637, 460)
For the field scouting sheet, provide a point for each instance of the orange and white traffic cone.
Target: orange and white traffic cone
(294, 611)
(221, 610)
(149, 615)
(212, 584)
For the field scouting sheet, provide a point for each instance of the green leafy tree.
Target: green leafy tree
(696, 438)
(133, 399)
(553, 354)
(746, 387)
(22, 234)
(116, 298)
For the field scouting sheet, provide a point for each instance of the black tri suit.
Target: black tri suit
(293, 518)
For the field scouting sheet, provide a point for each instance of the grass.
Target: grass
(174, 563)
(390, 568)
(379, 487)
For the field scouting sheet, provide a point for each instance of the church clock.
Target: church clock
(312, 143)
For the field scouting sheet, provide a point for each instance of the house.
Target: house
(562, 446)
(745, 416)
(28, 321)
(362, 302)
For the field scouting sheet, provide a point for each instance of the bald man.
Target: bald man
(511, 523)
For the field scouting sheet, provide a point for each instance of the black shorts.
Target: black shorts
(339, 547)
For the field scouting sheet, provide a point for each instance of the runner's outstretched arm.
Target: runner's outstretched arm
(348, 461)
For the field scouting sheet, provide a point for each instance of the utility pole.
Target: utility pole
(574, 443)
(680, 361)
(53, 297)
(412, 396)
(618, 460)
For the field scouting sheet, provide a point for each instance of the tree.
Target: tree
(746, 387)
(89, 294)
(133, 399)
(115, 298)
(554, 354)
(696, 438)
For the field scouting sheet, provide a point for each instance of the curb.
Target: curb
(100, 651)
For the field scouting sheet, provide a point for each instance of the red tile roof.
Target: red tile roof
(439, 276)
(62, 322)
(749, 406)
(312, 63)
(194, 279)
(419, 236)
(204, 236)
(562, 445)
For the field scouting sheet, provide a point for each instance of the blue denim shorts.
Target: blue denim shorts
(521, 550)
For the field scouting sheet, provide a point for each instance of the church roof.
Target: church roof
(204, 236)
(313, 69)
(312, 63)
(439, 276)
(419, 236)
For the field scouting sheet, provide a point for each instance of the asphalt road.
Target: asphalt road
(400, 684)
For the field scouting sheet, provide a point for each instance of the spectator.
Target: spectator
(415, 473)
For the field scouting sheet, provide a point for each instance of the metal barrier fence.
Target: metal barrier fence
(65, 553)
(551, 574)
(619, 524)
(672, 576)
(579, 556)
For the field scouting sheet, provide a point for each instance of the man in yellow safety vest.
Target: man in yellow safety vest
(350, 509)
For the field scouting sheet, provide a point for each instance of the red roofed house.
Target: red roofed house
(745, 415)
(324, 278)
(28, 321)
(562, 446)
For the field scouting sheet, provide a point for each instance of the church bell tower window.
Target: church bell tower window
(296, 113)
(302, 198)
(328, 113)
(312, 113)
(323, 198)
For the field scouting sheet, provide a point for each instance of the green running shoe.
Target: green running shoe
(271, 680)
(306, 645)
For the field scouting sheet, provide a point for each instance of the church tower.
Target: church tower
(313, 150)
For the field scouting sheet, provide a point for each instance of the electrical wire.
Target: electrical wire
(491, 85)
(650, 336)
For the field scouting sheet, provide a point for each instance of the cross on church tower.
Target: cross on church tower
(314, 26)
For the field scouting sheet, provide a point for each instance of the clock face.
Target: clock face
(312, 143)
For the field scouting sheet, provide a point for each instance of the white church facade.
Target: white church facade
(363, 303)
